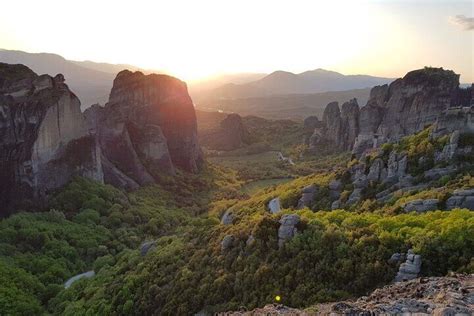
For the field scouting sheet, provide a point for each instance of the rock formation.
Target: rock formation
(287, 229)
(443, 296)
(147, 128)
(274, 205)
(424, 97)
(230, 135)
(461, 198)
(43, 137)
(227, 218)
(227, 242)
(340, 127)
(421, 206)
(307, 196)
(410, 269)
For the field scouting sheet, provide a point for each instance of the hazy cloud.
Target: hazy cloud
(465, 22)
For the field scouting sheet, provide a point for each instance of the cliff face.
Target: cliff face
(340, 126)
(404, 107)
(147, 128)
(43, 137)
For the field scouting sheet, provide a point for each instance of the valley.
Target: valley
(161, 209)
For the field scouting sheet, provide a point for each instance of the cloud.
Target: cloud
(465, 22)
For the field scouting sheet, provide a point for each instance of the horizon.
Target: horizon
(361, 39)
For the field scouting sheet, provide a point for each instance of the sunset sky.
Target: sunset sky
(194, 39)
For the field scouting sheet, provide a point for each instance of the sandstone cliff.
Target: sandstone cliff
(43, 137)
(147, 128)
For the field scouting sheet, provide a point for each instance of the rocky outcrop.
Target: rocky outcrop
(231, 135)
(410, 269)
(441, 296)
(429, 96)
(227, 242)
(227, 218)
(274, 205)
(146, 247)
(421, 206)
(44, 141)
(146, 130)
(287, 229)
(461, 198)
(307, 196)
(339, 127)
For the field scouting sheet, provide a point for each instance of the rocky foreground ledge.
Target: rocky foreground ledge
(443, 296)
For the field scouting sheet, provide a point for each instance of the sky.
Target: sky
(194, 39)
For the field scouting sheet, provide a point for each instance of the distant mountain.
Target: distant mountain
(214, 82)
(90, 81)
(283, 82)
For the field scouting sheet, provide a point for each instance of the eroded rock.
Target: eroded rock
(287, 229)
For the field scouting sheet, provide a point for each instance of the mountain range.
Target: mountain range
(92, 81)
(283, 82)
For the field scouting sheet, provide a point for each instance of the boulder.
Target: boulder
(274, 205)
(147, 247)
(410, 269)
(227, 242)
(287, 229)
(227, 218)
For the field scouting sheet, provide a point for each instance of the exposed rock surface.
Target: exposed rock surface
(147, 247)
(410, 269)
(423, 97)
(421, 205)
(232, 134)
(307, 196)
(461, 198)
(442, 296)
(43, 137)
(147, 128)
(274, 205)
(227, 242)
(227, 218)
(287, 229)
(339, 127)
